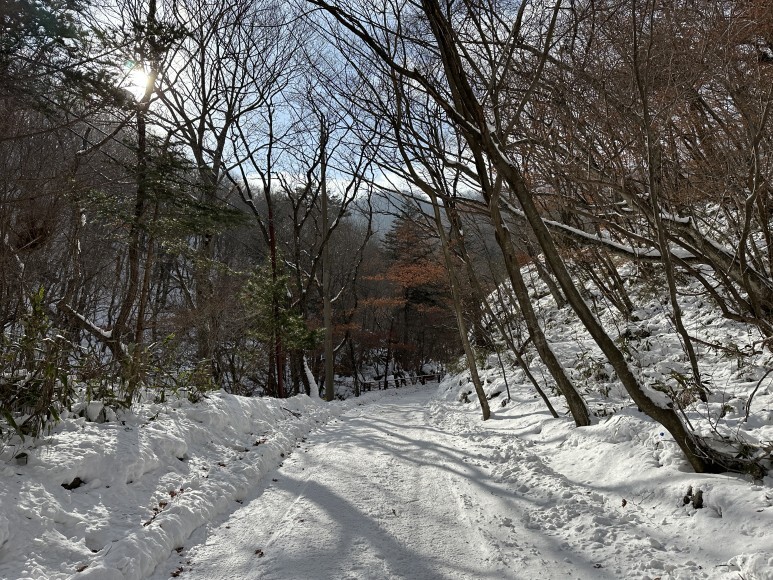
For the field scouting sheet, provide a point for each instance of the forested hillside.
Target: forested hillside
(275, 198)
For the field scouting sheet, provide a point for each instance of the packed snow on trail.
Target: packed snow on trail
(410, 482)
(413, 487)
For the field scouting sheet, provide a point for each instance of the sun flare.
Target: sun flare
(137, 81)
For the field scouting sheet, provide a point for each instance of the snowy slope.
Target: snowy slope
(613, 494)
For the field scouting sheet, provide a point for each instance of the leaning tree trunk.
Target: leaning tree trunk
(458, 308)
(574, 400)
(477, 133)
(480, 297)
(456, 293)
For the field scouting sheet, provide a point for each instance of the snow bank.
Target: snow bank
(112, 500)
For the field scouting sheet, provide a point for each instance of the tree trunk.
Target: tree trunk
(480, 297)
(458, 307)
(327, 309)
(479, 137)
(574, 400)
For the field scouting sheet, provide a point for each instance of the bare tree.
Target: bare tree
(460, 89)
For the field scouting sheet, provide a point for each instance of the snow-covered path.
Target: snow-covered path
(385, 492)
(406, 484)
(379, 493)
(412, 487)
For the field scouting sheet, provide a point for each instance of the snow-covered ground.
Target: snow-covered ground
(413, 487)
(409, 483)
(140, 485)
(405, 483)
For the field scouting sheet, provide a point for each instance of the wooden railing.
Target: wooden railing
(399, 381)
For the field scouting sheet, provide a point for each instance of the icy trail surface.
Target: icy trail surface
(408, 487)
